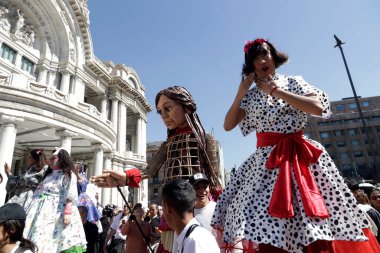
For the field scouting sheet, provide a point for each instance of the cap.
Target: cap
(12, 211)
(198, 177)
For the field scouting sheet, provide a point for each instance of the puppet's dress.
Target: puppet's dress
(242, 209)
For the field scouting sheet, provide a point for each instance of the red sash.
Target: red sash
(293, 151)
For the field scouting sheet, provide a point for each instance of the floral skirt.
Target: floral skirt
(44, 226)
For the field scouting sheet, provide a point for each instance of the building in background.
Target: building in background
(55, 92)
(345, 140)
(156, 183)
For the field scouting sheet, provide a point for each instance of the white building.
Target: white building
(55, 92)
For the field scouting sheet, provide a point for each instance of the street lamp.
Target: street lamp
(339, 44)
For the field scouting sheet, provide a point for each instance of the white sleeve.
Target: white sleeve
(100, 227)
(304, 88)
(116, 221)
(72, 191)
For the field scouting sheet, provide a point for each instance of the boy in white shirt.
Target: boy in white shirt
(178, 200)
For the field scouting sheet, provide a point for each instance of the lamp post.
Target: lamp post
(339, 44)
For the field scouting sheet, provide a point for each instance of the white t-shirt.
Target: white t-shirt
(204, 215)
(116, 225)
(199, 241)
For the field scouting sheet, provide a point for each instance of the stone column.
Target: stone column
(98, 162)
(114, 192)
(138, 135)
(79, 89)
(106, 192)
(66, 137)
(98, 158)
(114, 195)
(143, 138)
(52, 76)
(114, 113)
(103, 108)
(18, 59)
(90, 169)
(122, 130)
(8, 130)
(42, 75)
(65, 82)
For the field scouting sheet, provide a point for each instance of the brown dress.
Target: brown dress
(135, 242)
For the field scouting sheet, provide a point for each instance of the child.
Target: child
(53, 221)
(12, 223)
(84, 198)
(22, 187)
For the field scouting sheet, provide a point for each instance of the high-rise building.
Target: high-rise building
(54, 92)
(345, 139)
(156, 183)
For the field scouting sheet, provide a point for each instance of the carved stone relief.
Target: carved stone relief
(13, 21)
(85, 11)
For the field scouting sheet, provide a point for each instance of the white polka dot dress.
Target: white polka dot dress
(242, 209)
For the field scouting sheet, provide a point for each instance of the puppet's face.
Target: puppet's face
(172, 113)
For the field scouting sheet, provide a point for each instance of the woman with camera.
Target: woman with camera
(136, 242)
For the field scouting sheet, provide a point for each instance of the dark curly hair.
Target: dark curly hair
(39, 156)
(257, 49)
(17, 228)
(65, 163)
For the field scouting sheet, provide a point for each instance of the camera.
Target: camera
(109, 210)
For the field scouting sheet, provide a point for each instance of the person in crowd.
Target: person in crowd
(146, 217)
(136, 241)
(84, 199)
(90, 230)
(98, 205)
(154, 221)
(12, 223)
(186, 151)
(104, 220)
(21, 188)
(288, 196)
(204, 208)
(364, 204)
(178, 201)
(374, 198)
(115, 239)
(53, 221)
(160, 212)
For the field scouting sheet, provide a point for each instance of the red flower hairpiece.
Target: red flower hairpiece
(250, 43)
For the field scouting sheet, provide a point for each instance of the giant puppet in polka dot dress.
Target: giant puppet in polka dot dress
(242, 209)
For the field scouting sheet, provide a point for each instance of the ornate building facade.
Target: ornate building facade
(55, 92)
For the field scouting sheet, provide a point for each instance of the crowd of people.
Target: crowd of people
(286, 197)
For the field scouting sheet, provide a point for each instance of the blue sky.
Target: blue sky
(199, 45)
